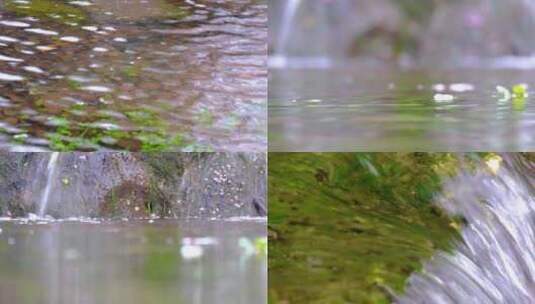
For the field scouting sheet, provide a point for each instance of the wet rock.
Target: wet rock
(215, 185)
(134, 185)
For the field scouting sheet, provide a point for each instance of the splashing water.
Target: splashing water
(495, 262)
(51, 169)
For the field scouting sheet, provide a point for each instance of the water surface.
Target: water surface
(149, 261)
(135, 75)
(362, 108)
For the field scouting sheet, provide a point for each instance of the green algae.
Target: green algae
(351, 228)
(47, 9)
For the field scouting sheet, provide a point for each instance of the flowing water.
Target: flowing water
(495, 261)
(51, 169)
(369, 108)
(156, 261)
(136, 75)
(287, 25)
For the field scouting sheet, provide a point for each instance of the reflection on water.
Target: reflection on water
(133, 262)
(136, 75)
(381, 109)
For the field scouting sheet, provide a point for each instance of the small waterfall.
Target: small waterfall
(495, 261)
(51, 169)
(286, 26)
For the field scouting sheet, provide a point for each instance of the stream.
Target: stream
(157, 75)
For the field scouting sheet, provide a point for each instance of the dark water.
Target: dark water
(135, 75)
(384, 109)
(133, 262)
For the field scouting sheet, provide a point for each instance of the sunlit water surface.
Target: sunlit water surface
(135, 75)
(385, 109)
(149, 261)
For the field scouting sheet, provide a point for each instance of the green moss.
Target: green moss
(46, 9)
(351, 228)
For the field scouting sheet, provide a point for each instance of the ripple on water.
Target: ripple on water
(42, 32)
(14, 23)
(10, 77)
(175, 85)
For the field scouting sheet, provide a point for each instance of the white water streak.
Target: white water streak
(287, 22)
(495, 261)
(51, 169)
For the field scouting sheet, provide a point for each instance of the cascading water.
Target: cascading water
(286, 25)
(495, 262)
(51, 169)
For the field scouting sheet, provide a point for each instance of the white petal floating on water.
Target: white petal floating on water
(503, 92)
(70, 39)
(99, 89)
(461, 87)
(110, 28)
(190, 252)
(9, 77)
(11, 59)
(42, 32)
(100, 49)
(8, 39)
(443, 97)
(33, 69)
(14, 23)
(119, 39)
